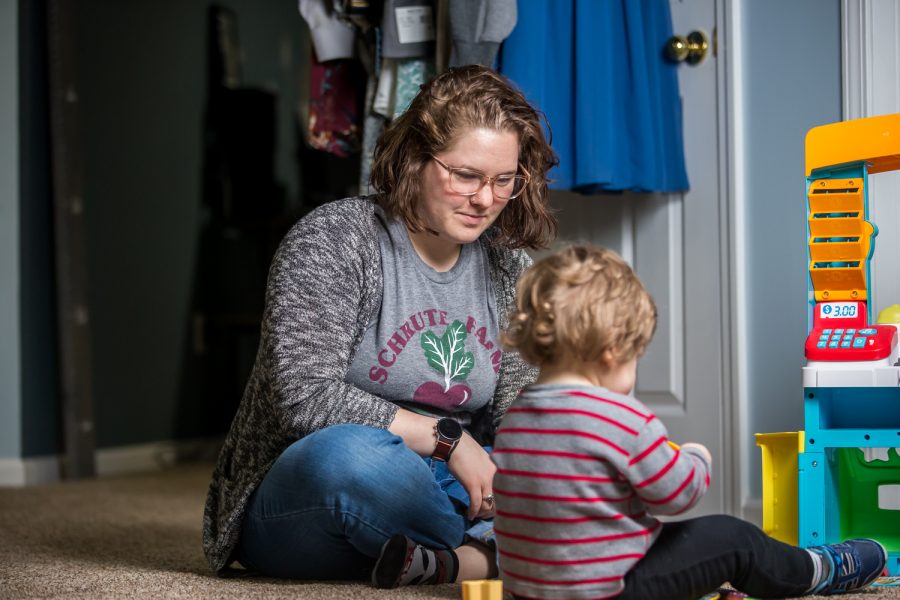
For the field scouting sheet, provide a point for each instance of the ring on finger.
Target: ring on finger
(489, 498)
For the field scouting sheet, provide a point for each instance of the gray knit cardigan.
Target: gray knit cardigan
(324, 287)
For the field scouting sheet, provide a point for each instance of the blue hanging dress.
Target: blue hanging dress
(596, 69)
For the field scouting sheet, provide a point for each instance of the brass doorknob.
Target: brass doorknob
(691, 49)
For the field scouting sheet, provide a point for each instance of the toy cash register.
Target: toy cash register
(841, 332)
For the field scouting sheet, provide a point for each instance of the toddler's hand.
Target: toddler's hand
(703, 450)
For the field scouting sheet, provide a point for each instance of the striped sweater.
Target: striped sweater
(581, 472)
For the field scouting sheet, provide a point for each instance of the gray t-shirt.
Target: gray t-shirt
(432, 346)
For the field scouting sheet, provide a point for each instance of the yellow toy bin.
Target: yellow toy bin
(779, 478)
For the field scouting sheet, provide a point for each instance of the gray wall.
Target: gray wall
(143, 94)
(792, 82)
(40, 394)
(10, 383)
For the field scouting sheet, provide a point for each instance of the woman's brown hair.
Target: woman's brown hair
(459, 100)
(576, 305)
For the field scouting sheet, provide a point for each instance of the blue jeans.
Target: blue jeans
(332, 499)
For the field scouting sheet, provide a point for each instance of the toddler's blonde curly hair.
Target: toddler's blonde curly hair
(578, 303)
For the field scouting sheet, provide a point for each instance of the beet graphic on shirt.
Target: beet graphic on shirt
(447, 355)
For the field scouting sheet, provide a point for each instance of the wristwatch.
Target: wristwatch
(448, 433)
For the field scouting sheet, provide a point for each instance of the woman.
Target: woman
(379, 380)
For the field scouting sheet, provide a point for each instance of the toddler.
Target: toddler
(584, 469)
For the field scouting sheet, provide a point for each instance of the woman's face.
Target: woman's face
(462, 219)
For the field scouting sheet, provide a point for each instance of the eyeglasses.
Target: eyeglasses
(467, 182)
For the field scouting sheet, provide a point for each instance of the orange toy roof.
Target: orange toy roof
(875, 140)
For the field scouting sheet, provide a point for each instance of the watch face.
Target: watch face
(449, 428)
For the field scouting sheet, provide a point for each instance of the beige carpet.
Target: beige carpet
(139, 537)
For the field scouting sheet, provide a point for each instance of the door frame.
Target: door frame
(728, 43)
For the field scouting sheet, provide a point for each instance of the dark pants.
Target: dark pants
(696, 556)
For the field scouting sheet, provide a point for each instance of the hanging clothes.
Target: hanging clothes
(404, 49)
(334, 106)
(335, 97)
(332, 37)
(374, 122)
(478, 27)
(407, 29)
(597, 71)
(408, 33)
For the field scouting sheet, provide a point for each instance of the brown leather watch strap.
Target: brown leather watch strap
(448, 433)
(443, 449)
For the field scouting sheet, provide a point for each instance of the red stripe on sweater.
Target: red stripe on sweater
(645, 453)
(580, 561)
(574, 432)
(526, 517)
(574, 541)
(556, 453)
(674, 494)
(623, 406)
(564, 581)
(690, 503)
(541, 475)
(589, 499)
(660, 473)
(574, 411)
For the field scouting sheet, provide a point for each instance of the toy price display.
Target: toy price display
(838, 310)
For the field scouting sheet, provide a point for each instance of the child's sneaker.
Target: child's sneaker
(854, 565)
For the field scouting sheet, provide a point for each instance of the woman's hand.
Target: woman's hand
(473, 468)
(469, 462)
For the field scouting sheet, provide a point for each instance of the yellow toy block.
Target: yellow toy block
(482, 589)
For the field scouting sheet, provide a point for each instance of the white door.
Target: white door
(676, 245)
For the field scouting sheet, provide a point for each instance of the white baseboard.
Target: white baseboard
(136, 458)
(12, 472)
(120, 460)
(37, 470)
